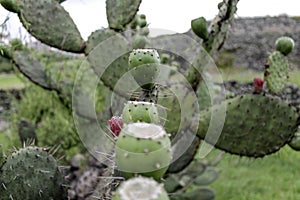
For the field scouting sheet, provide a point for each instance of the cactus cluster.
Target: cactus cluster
(162, 122)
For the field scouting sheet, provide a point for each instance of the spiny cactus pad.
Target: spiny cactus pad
(255, 125)
(34, 172)
(143, 64)
(140, 111)
(97, 37)
(50, 23)
(143, 148)
(140, 188)
(32, 69)
(121, 12)
(285, 45)
(276, 72)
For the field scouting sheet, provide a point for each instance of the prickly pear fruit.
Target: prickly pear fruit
(140, 188)
(34, 172)
(144, 149)
(140, 111)
(199, 27)
(139, 41)
(143, 64)
(285, 45)
(116, 124)
(258, 85)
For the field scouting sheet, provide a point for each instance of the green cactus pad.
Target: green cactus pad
(276, 72)
(199, 27)
(32, 69)
(109, 60)
(139, 111)
(50, 23)
(199, 193)
(121, 12)
(285, 45)
(10, 5)
(97, 37)
(144, 149)
(144, 66)
(254, 126)
(34, 172)
(209, 175)
(140, 188)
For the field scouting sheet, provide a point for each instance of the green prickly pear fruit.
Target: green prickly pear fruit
(140, 188)
(140, 111)
(31, 173)
(10, 5)
(144, 66)
(139, 41)
(285, 45)
(144, 149)
(199, 27)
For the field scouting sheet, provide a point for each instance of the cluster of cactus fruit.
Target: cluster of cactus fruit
(158, 120)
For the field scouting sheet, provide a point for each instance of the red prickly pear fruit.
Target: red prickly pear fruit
(116, 124)
(258, 85)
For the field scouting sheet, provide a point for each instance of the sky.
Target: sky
(173, 15)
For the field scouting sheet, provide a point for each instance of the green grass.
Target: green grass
(272, 177)
(10, 81)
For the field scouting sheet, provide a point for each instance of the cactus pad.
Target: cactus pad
(144, 149)
(276, 72)
(10, 5)
(139, 111)
(50, 23)
(97, 37)
(121, 12)
(140, 188)
(285, 45)
(144, 66)
(32, 69)
(255, 125)
(34, 172)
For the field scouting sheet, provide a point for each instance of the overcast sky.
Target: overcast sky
(174, 15)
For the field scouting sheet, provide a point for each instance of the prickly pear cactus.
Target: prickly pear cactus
(34, 172)
(143, 148)
(276, 72)
(50, 23)
(143, 64)
(139, 111)
(255, 125)
(285, 45)
(121, 12)
(140, 188)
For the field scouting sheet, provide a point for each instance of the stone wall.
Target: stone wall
(251, 40)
